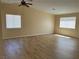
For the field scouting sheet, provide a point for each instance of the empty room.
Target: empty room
(39, 29)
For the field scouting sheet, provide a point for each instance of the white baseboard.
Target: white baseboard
(27, 35)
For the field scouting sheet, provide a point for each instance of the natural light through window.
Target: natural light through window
(13, 21)
(68, 22)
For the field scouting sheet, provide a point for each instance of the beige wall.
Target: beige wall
(0, 24)
(69, 32)
(34, 22)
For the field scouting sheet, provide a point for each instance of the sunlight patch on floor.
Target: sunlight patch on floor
(62, 36)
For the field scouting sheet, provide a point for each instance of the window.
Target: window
(68, 22)
(13, 21)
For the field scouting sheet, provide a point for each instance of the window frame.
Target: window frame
(67, 27)
(6, 20)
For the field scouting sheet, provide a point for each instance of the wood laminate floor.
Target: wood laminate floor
(40, 47)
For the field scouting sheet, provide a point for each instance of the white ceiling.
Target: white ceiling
(61, 6)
